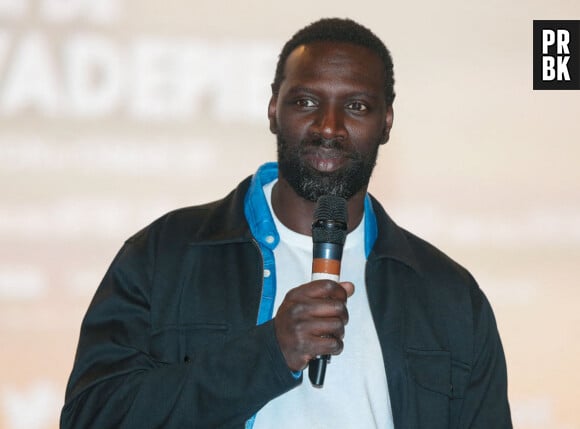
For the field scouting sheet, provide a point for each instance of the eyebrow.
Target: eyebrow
(298, 89)
(304, 89)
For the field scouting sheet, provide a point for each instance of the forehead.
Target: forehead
(334, 63)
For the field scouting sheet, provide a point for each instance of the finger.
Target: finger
(323, 308)
(328, 328)
(323, 289)
(328, 346)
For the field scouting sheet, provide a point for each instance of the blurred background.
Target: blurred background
(113, 112)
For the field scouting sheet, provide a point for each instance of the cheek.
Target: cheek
(289, 133)
(292, 127)
(366, 132)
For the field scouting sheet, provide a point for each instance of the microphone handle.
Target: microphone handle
(317, 370)
(325, 266)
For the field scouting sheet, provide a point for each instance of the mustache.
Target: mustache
(334, 144)
(337, 144)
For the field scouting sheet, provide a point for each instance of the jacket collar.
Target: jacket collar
(223, 220)
(244, 214)
(392, 241)
(256, 207)
(260, 219)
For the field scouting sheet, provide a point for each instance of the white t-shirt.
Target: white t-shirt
(355, 393)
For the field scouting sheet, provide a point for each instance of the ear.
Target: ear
(272, 114)
(388, 124)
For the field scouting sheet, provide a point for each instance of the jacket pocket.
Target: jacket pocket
(429, 388)
(180, 344)
(437, 383)
(431, 369)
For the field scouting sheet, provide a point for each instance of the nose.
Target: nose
(329, 123)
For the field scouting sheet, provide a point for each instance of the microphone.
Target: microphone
(328, 236)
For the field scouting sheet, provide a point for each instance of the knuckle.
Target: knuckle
(296, 310)
(345, 317)
(340, 310)
(328, 285)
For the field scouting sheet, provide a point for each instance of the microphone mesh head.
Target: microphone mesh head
(330, 220)
(330, 207)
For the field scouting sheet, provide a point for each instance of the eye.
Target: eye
(357, 106)
(305, 102)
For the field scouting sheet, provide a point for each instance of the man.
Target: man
(181, 331)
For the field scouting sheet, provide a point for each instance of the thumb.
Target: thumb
(348, 287)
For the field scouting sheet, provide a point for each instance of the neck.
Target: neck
(296, 213)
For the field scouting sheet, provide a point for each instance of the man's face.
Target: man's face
(330, 116)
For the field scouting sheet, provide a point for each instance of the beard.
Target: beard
(310, 183)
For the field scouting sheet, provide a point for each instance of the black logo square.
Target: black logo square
(556, 54)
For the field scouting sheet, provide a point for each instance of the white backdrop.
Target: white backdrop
(115, 111)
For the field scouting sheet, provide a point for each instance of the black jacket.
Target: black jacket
(170, 339)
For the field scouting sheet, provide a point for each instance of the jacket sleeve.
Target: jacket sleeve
(485, 403)
(119, 382)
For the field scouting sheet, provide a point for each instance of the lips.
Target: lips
(325, 159)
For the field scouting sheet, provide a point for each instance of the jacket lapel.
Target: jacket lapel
(390, 267)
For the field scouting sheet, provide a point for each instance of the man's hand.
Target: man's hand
(310, 321)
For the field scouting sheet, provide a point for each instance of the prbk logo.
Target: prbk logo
(556, 54)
